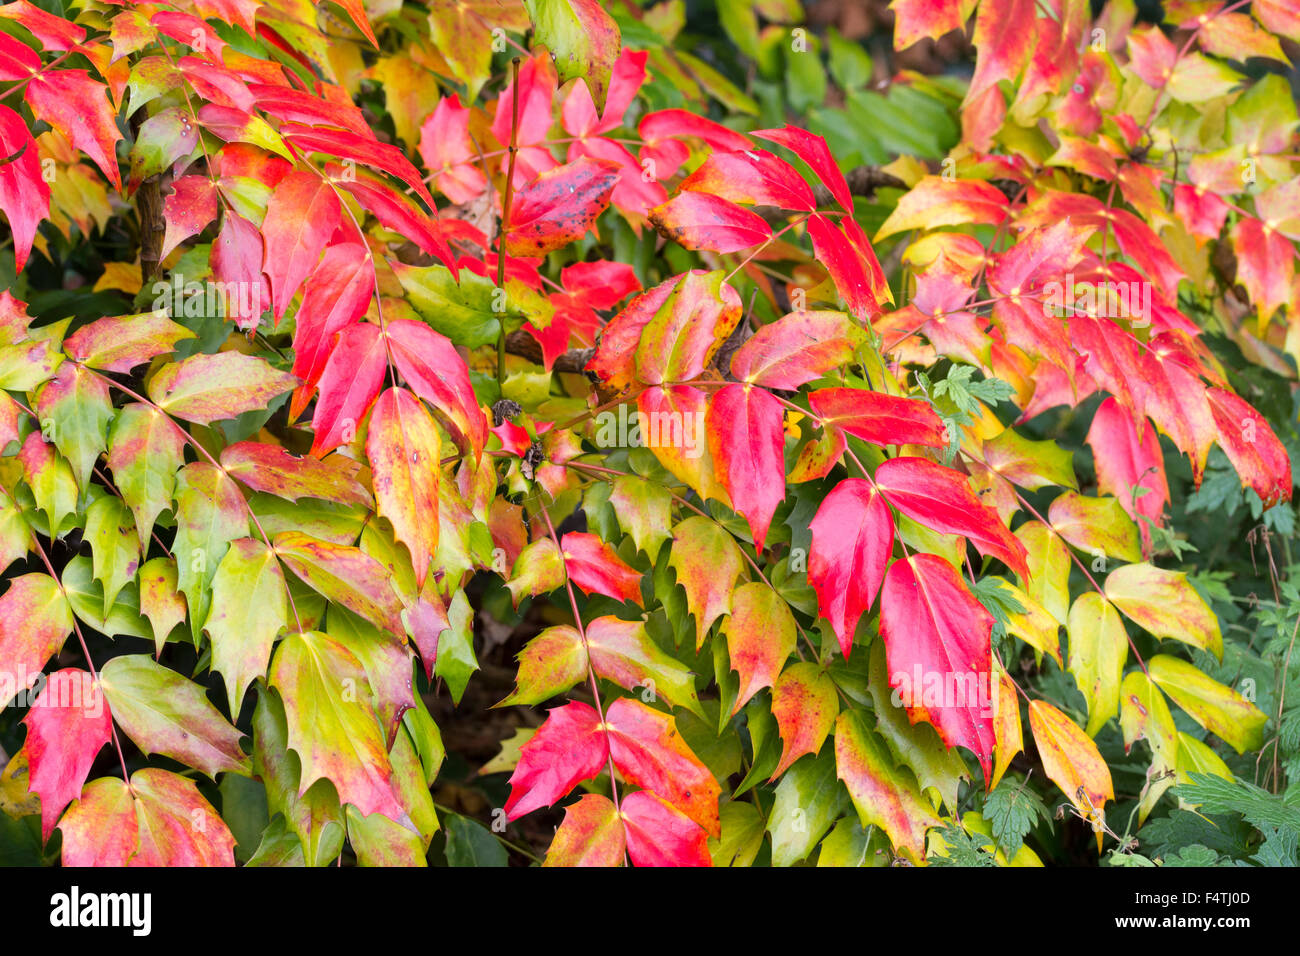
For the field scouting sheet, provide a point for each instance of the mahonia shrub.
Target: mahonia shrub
(344, 342)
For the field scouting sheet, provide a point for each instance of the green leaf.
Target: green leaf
(164, 713)
(471, 844)
(456, 660)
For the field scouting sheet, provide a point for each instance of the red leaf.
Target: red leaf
(449, 153)
(397, 213)
(852, 537)
(351, 380)
(188, 210)
(361, 149)
(537, 84)
(937, 647)
(1004, 38)
(941, 499)
(812, 149)
(559, 206)
(649, 751)
(24, 193)
(436, 372)
(595, 566)
(746, 433)
(237, 256)
(702, 221)
(878, 418)
(1265, 266)
(796, 349)
(55, 33)
(860, 281)
(17, 60)
(915, 20)
(1126, 461)
(755, 177)
(661, 130)
(334, 296)
(78, 107)
(660, 835)
(568, 748)
(1249, 442)
(296, 106)
(579, 112)
(67, 725)
(300, 218)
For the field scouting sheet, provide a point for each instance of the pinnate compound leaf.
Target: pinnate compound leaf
(937, 643)
(164, 713)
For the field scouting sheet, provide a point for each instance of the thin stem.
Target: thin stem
(506, 199)
(591, 673)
